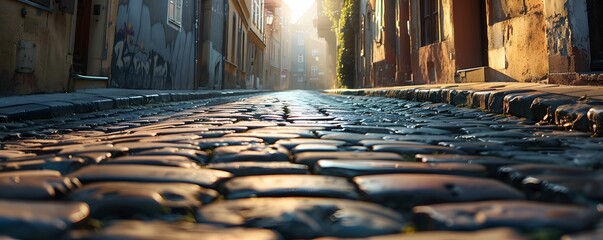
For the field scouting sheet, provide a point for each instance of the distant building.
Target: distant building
(309, 60)
(324, 28)
(277, 34)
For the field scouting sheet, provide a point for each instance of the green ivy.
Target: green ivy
(346, 52)
(332, 9)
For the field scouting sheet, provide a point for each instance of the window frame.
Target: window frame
(37, 4)
(379, 21)
(301, 39)
(174, 13)
(430, 22)
(314, 71)
(233, 39)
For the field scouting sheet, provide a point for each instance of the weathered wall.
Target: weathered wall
(364, 45)
(100, 31)
(237, 44)
(568, 37)
(212, 40)
(150, 54)
(384, 49)
(433, 63)
(517, 43)
(50, 32)
(404, 70)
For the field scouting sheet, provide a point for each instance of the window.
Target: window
(262, 16)
(314, 52)
(257, 12)
(233, 39)
(300, 58)
(243, 49)
(175, 12)
(43, 4)
(300, 39)
(314, 71)
(379, 21)
(254, 10)
(430, 22)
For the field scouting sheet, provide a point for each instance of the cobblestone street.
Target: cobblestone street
(297, 165)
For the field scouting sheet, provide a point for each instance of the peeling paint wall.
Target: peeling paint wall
(50, 31)
(568, 36)
(517, 42)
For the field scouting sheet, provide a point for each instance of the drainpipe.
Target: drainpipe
(196, 45)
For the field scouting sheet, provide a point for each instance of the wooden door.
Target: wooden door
(595, 20)
(82, 37)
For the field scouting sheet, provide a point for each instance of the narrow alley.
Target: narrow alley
(301, 119)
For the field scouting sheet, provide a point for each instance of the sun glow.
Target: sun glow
(298, 8)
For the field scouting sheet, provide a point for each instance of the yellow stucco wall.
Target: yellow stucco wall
(517, 43)
(50, 31)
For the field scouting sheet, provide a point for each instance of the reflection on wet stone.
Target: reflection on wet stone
(305, 217)
(304, 165)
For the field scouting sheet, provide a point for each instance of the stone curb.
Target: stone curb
(555, 104)
(47, 106)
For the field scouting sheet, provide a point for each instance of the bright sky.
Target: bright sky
(298, 8)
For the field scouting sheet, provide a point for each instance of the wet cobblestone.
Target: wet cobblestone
(300, 165)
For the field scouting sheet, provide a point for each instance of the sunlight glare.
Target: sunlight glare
(298, 8)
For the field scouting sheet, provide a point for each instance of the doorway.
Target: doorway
(595, 22)
(470, 34)
(82, 36)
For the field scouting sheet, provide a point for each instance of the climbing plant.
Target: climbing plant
(332, 9)
(346, 52)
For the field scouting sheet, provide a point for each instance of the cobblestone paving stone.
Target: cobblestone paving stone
(298, 165)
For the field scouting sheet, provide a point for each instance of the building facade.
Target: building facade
(245, 44)
(155, 45)
(404, 42)
(145, 44)
(507, 40)
(277, 40)
(212, 46)
(46, 42)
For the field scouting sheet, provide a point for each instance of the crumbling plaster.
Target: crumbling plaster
(568, 35)
(517, 49)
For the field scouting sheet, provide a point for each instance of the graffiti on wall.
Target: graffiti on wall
(148, 53)
(141, 68)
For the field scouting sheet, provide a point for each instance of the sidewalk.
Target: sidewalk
(45, 106)
(570, 107)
